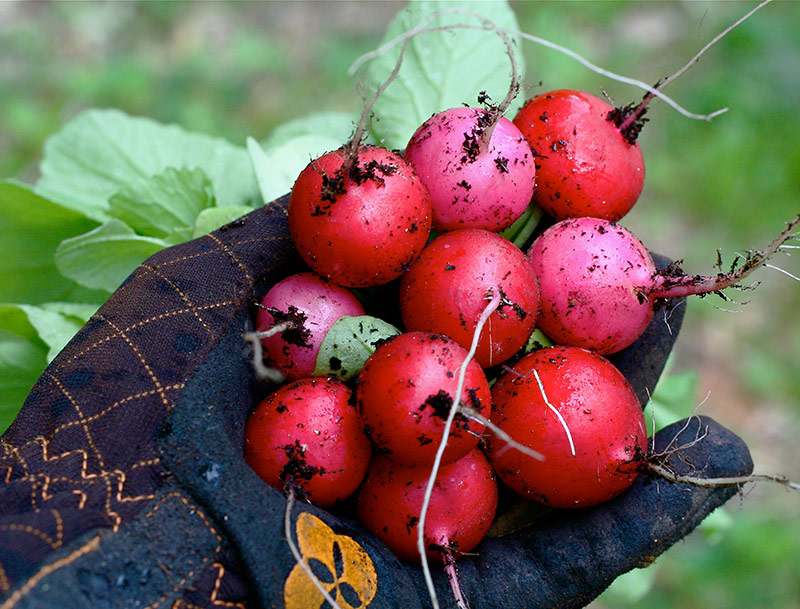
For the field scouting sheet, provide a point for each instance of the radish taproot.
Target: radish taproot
(599, 284)
(462, 505)
(405, 392)
(359, 221)
(445, 290)
(478, 169)
(585, 165)
(307, 437)
(575, 408)
(306, 306)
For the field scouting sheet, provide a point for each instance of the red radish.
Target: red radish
(585, 165)
(307, 436)
(479, 174)
(445, 291)
(310, 306)
(362, 225)
(462, 506)
(577, 409)
(405, 392)
(599, 283)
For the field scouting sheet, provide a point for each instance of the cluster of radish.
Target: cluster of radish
(459, 392)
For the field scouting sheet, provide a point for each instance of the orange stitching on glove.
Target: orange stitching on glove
(33, 581)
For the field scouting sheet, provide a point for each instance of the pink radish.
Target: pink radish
(477, 167)
(308, 306)
(599, 283)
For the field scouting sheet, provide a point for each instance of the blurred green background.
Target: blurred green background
(235, 69)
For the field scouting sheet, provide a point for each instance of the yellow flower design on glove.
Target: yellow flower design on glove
(342, 566)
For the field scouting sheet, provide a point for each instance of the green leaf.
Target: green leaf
(100, 152)
(349, 343)
(23, 356)
(277, 168)
(442, 69)
(31, 227)
(212, 218)
(30, 337)
(21, 363)
(338, 126)
(56, 323)
(163, 203)
(102, 258)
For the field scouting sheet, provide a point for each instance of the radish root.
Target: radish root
(263, 372)
(494, 302)
(655, 466)
(287, 528)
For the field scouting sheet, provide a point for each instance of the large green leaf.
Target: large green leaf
(163, 203)
(277, 167)
(100, 152)
(441, 69)
(102, 258)
(30, 337)
(338, 126)
(212, 218)
(57, 322)
(31, 228)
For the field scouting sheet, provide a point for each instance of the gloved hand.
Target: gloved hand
(122, 482)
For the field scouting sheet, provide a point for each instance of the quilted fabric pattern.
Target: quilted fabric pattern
(81, 457)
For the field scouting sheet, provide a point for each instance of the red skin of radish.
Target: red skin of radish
(470, 187)
(584, 165)
(294, 352)
(444, 291)
(307, 434)
(601, 411)
(462, 507)
(367, 234)
(404, 395)
(595, 280)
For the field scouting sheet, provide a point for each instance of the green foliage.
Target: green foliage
(101, 152)
(31, 229)
(440, 70)
(349, 343)
(239, 71)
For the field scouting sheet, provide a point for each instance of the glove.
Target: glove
(122, 480)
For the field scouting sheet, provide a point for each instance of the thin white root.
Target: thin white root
(263, 372)
(780, 270)
(555, 410)
(489, 26)
(713, 41)
(494, 302)
(287, 528)
(661, 471)
(511, 442)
